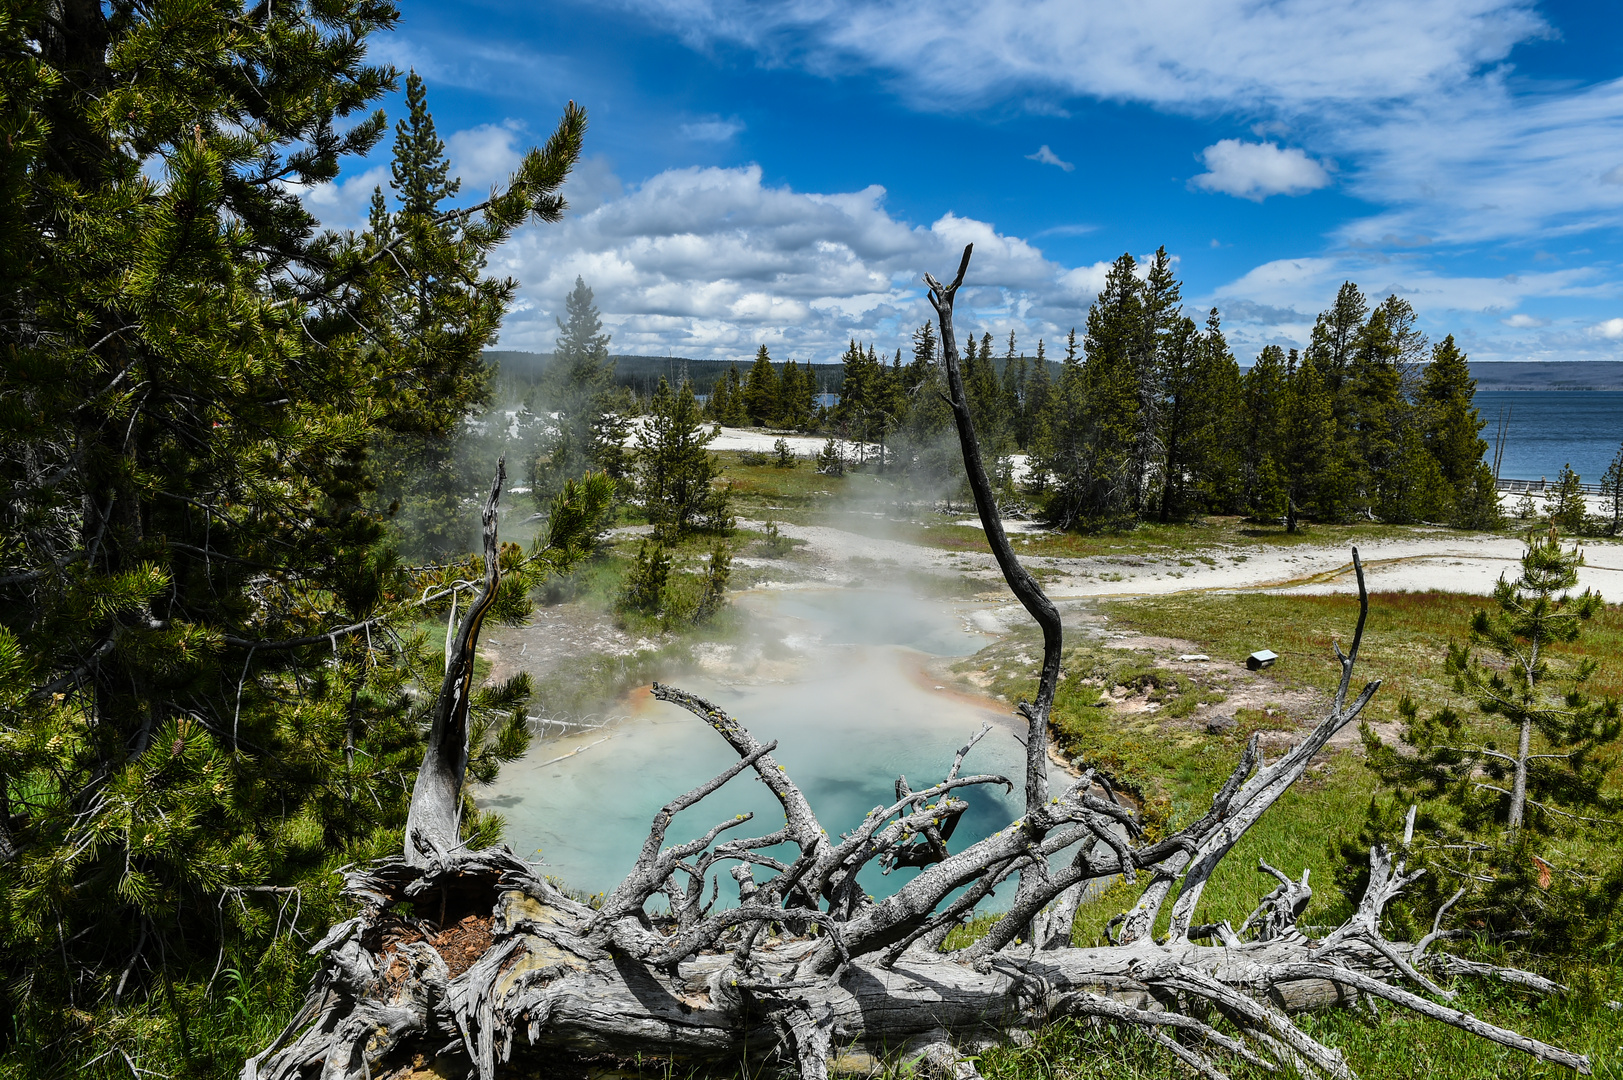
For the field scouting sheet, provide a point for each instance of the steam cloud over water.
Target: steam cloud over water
(837, 676)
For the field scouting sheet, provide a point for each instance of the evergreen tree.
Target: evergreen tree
(761, 390)
(861, 410)
(1114, 346)
(1039, 384)
(737, 414)
(718, 406)
(1611, 490)
(1161, 320)
(890, 404)
(1532, 768)
(1451, 425)
(794, 403)
(676, 474)
(1180, 415)
(1564, 502)
(926, 440)
(1213, 453)
(987, 406)
(577, 394)
(1309, 461)
(924, 358)
(805, 407)
(1068, 444)
(1335, 340)
(1265, 389)
(209, 662)
(1014, 395)
(1332, 350)
(1394, 476)
(443, 325)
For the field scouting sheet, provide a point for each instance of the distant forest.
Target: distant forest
(641, 374)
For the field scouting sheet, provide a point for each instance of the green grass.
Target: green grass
(1394, 1047)
(1175, 769)
(1405, 643)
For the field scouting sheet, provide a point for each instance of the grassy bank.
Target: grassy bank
(1405, 644)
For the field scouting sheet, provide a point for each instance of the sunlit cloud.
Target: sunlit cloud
(1257, 170)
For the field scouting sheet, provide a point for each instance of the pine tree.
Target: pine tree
(1564, 502)
(718, 406)
(761, 390)
(737, 414)
(209, 659)
(1161, 319)
(1451, 425)
(1335, 340)
(793, 401)
(1068, 444)
(577, 392)
(1039, 384)
(924, 357)
(443, 325)
(1265, 391)
(1532, 767)
(1216, 431)
(860, 412)
(890, 405)
(676, 474)
(1332, 350)
(926, 440)
(1014, 394)
(1309, 462)
(1180, 414)
(1611, 490)
(1114, 347)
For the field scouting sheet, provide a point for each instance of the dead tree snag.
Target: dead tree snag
(807, 967)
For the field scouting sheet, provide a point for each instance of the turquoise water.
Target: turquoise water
(837, 676)
(1549, 429)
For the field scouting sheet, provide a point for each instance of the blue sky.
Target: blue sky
(782, 172)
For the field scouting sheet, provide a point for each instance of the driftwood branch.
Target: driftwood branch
(806, 962)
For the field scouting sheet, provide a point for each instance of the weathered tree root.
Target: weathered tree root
(456, 953)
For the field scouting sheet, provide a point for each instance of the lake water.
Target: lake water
(1549, 429)
(838, 676)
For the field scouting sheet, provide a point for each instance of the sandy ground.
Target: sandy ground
(1444, 560)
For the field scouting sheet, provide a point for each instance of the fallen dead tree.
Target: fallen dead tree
(470, 955)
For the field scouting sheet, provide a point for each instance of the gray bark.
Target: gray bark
(434, 821)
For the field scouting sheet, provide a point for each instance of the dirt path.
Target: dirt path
(1444, 560)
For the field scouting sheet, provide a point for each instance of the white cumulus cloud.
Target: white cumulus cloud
(1521, 321)
(486, 155)
(711, 262)
(1257, 170)
(1048, 157)
(1611, 330)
